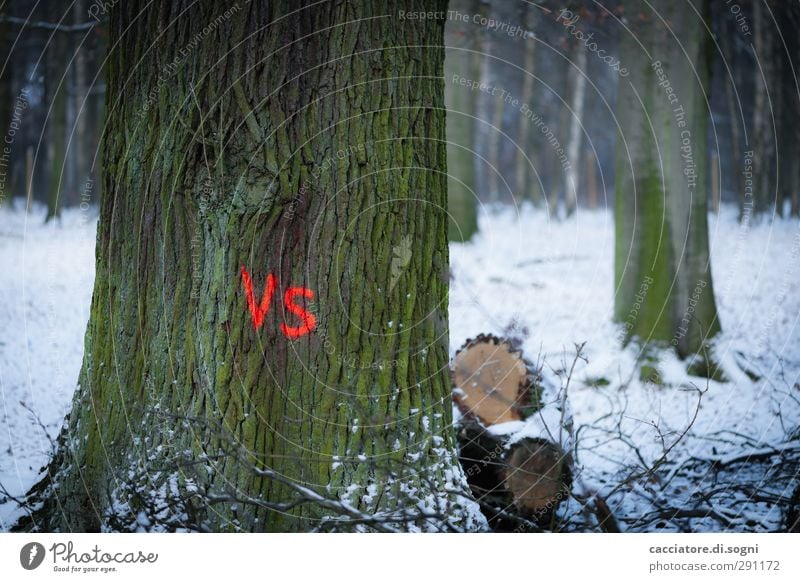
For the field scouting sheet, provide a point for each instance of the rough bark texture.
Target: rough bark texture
(306, 143)
(460, 60)
(664, 290)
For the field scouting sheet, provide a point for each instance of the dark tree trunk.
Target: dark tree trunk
(764, 180)
(288, 148)
(6, 63)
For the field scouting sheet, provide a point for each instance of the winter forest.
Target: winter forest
(400, 266)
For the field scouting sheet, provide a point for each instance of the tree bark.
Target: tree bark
(664, 288)
(305, 147)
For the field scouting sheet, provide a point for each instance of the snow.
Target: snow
(548, 282)
(47, 277)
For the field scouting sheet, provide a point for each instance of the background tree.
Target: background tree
(461, 59)
(6, 64)
(664, 289)
(57, 98)
(307, 148)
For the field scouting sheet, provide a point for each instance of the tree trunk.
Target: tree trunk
(6, 63)
(572, 178)
(78, 136)
(591, 178)
(57, 58)
(730, 55)
(491, 107)
(715, 171)
(761, 130)
(462, 197)
(527, 182)
(269, 319)
(664, 289)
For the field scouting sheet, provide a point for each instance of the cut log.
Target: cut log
(492, 382)
(518, 486)
(535, 476)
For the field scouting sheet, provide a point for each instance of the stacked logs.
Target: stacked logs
(518, 484)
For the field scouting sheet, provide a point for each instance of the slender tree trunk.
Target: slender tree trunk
(6, 64)
(572, 178)
(664, 289)
(491, 106)
(526, 179)
(761, 108)
(715, 194)
(57, 121)
(731, 56)
(591, 178)
(462, 196)
(790, 132)
(78, 137)
(274, 149)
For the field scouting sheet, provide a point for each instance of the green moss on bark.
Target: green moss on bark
(308, 146)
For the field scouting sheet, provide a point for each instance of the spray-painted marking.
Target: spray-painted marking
(258, 311)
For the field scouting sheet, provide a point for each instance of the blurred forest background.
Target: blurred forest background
(52, 78)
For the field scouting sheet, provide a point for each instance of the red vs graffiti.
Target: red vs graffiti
(259, 310)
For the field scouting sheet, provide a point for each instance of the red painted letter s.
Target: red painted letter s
(308, 319)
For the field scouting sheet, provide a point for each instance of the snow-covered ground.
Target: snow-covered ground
(46, 278)
(547, 282)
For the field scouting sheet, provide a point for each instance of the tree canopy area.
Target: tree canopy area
(399, 266)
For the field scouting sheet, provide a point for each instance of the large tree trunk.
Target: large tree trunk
(664, 289)
(461, 62)
(299, 150)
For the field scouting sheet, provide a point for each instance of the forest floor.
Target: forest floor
(682, 454)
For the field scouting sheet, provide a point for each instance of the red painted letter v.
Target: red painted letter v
(258, 311)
